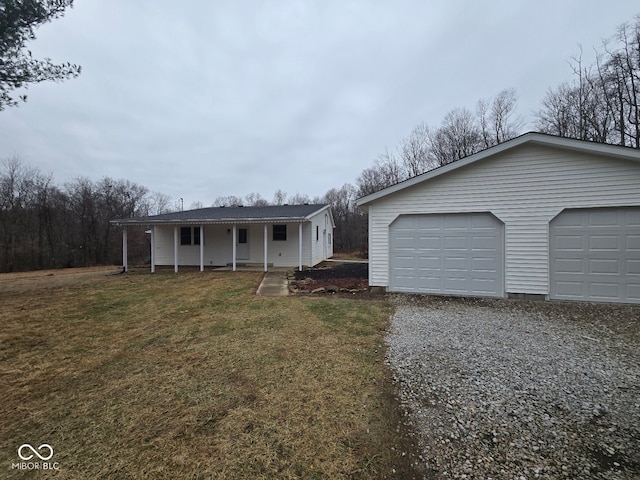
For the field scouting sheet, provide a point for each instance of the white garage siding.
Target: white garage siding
(525, 187)
(454, 254)
(595, 255)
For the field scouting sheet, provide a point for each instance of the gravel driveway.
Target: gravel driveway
(499, 389)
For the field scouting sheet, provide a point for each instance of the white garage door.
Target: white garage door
(595, 255)
(449, 254)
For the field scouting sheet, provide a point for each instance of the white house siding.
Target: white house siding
(525, 187)
(218, 246)
(164, 245)
(322, 248)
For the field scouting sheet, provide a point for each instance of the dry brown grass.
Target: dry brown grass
(193, 376)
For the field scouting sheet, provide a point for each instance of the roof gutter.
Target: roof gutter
(195, 221)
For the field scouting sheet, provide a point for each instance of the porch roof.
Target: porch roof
(230, 215)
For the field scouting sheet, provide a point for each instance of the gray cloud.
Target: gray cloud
(201, 99)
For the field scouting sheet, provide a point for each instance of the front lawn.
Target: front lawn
(193, 376)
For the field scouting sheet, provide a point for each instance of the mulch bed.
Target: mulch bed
(333, 278)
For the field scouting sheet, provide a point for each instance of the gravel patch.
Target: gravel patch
(499, 389)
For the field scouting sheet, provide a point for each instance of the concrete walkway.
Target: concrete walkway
(274, 284)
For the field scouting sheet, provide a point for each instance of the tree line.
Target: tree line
(46, 226)
(600, 102)
(43, 225)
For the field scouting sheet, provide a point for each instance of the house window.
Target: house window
(185, 236)
(242, 235)
(279, 233)
(317, 233)
(190, 236)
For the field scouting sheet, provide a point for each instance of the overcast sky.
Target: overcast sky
(204, 98)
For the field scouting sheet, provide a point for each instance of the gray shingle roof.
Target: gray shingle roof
(272, 213)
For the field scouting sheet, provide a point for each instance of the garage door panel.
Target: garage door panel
(458, 285)
(602, 218)
(455, 242)
(452, 254)
(483, 221)
(483, 264)
(481, 242)
(595, 255)
(569, 265)
(488, 286)
(454, 222)
(429, 263)
(405, 244)
(604, 266)
(430, 242)
(632, 219)
(430, 283)
(604, 290)
(633, 291)
(570, 289)
(604, 242)
(569, 242)
(455, 263)
(405, 262)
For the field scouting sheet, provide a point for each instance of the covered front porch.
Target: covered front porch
(232, 245)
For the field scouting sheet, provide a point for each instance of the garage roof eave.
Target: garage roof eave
(614, 151)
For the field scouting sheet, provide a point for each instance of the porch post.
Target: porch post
(234, 246)
(153, 249)
(300, 246)
(202, 248)
(175, 248)
(265, 247)
(125, 255)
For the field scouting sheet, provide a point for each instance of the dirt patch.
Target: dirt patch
(348, 277)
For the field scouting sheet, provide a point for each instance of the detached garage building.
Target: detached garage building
(538, 215)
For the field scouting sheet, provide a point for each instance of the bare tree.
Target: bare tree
(497, 118)
(299, 199)
(628, 61)
(386, 170)
(602, 102)
(558, 113)
(350, 234)
(279, 197)
(255, 200)
(17, 183)
(159, 203)
(414, 151)
(227, 201)
(458, 137)
(43, 226)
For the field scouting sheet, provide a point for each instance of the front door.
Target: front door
(242, 247)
